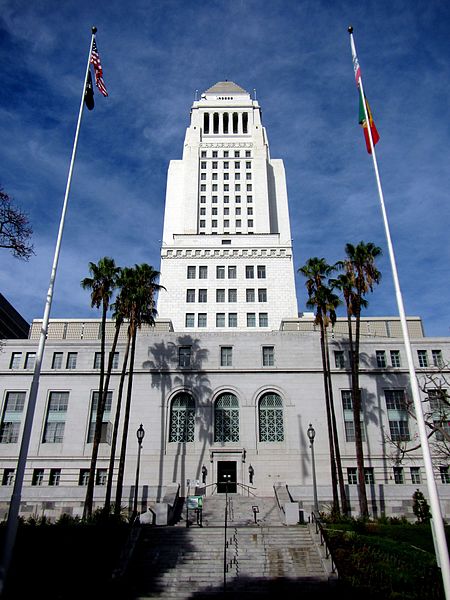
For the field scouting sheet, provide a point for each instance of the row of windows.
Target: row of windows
(225, 122)
(225, 176)
(222, 294)
(226, 154)
(381, 358)
(227, 319)
(226, 223)
(226, 188)
(58, 360)
(230, 272)
(226, 210)
(185, 356)
(53, 477)
(225, 164)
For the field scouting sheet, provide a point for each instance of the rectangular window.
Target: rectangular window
(191, 272)
(250, 223)
(190, 295)
(237, 154)
(248, 153)
(11, 418)
(395, 399)
(38, 477)
(398, 475)
(226, 165)
(249, 210)
(203, 154)
(84, 477)
(190, 320)
(261, 272)
(437, 358)
(220, 295)
(203, 187)
(444, 471)
(399, 430)
(237, 164)
(214, 199)
(249, 187)
(238, 223)
(262, 295)
(58, 402)
(202, 223)
(226, 356)
(184, 356)
(214, 223)
(442, 427)
(9, 432)
(352, 476)
(220, 272)
(115, 363)
(249, 199)
(226, 154)
(268, 356)
(251, 320)
(101, 477)
(214, 164)
(55, 476)
(214, 212)
(203, 176)
(202, 319)
(422, 355)
(237, 176)
(232, 295)
(57, 360)
(56, 418)
(248, 164)
(238, 199)
(237, 210)
(226, 176)
(214, 154)
(105, 436)
(203, 295)
(237, 187)
(381, 359)
(226, 200)
(203, 212)
(220, 319)
(232, 272)
(339, 359)
(248, 176)
(71, 360)
(249, 272)
(395, 358)
(263, 320)
(415, 475)
(226, 223)
(16, 359)
(214, 187)
(250, 295)
(369, 475)
(232, 320)
(202, 199)
(203, 272)
(30, 359)
(8, 477)
(349, 420)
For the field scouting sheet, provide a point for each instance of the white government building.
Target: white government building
(230, 378)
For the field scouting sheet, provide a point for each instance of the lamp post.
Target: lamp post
(311, 435)
(140, 436)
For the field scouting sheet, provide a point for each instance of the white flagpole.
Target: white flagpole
(14, 506)
(440, 539)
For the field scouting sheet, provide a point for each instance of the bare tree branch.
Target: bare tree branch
(15, 228)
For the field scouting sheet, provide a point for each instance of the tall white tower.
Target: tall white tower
(226, 256)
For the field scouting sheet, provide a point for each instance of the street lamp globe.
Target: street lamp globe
(140, 434)
(311, 433)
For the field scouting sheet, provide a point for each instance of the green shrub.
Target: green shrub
(420, 507)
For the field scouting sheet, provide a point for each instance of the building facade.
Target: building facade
(228, 381)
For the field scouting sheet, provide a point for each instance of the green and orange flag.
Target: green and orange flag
(363, 123)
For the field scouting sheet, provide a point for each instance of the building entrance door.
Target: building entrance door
(226, 476)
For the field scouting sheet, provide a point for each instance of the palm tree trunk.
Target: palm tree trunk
(329, 424)
(126, 420)
(340, 474)
(87, 512)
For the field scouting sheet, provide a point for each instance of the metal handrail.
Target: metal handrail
(323, 542)
(247, 487)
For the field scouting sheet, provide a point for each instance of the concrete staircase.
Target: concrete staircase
(262, 561)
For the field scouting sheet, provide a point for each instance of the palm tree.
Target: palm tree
(102, 284)
(140, 310)
(359, 278)
(325, 302)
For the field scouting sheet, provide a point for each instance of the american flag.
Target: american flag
(95, 60)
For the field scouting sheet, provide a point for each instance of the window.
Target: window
(232, 295)
(226, 356)
(339, 360)
(237, 153)
(11, 418)
(202, 319)
(226, 153)
(250, 223)
(30, 360)
(220, 295)
(250, 295)
(214, 223)
(232, 272)
(220, 319)
(38, 477)
(101, 477)
(251, 320)
(261, 272)
(399, 430)
(105, 436)
(190, 320)
(439, 401)
(248, 164)
(203, 164)
(203, 154)
(352, 476)
(437, 358)
(84, 477)
(191, 272)
(226, 165)
(56, 417)
(203, 212)
(237, 176)
(226, 211)
(395, 399)
(238, 199)
(202, 295)
(381, 359)
(226, 199)
(57, 360)
(214, 154)
(202, 199)
(349, 419)
(395, 358)
(9, 431)
(203, 187)
(202, 223)
(55, 476)
(226, 223)
(97, 360)
(415, 475)
(249, 272)
(271, 427)
(203, 272)
(16, 359)
(422, 355)
(182, 419)
(248, 176)
(190, 295)
(214, 212)
(398, 475)
(8, 477)
(442, 427)
(238, 223)
(184, 356)
(237, 187)
(214, 187)
(368, 475)
(226, 187)
(262, 295)
(268, 356)
(232, 320)
(263, 320)
(226, 176)
(237, 164)
(214, 164)
(237, 210)
(226, 419)
(249, 199)
(71, 360)
(220, 272)
(248, 153)
(444, 471)
(249, 210)
(249, 187)
(203, 176)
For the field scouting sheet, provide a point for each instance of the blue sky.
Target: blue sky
(297, 56)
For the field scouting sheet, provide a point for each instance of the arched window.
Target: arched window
(245, 122)
(182, 419)
(226, 419)
(271, 428)
(206, 123)
(216, 123)
(235, 122)
(225, 122)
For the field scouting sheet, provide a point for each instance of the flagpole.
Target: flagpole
(437, 521)
(14, 507)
